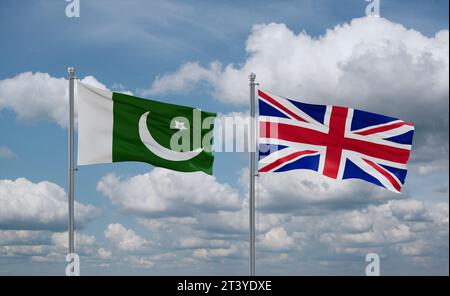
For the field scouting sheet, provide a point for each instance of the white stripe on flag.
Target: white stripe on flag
(95, 125)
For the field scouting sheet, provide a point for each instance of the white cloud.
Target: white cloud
(307, 192)
(277, 239)
(140, 262)
(381, 236)
(321, 221)
(39, 96)
(149, 261)
(382, 227)
(409, 210)
(118, 87)
(162, 224)
(355, 221)
(213, 253)
(43, 246)
(104, 254)
(24, 250)
(415, 248)
(35, 95)
(439, 212)
(191, 242)
(370, 50)
(60, 240)
(237, 223)
(6, 153)
(163, 192)
(23, 237)
(185, 79)
(38, 206)
(124, 239)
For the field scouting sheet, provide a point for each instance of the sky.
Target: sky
(199, 53)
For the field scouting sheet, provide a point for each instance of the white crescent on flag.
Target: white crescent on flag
(161, 151)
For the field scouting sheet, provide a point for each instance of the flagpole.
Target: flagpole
(252, 150)
(71, 71)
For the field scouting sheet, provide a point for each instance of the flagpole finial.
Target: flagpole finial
(252, 77)
(71, 71)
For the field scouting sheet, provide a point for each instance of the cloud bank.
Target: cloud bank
(25, 205)
(169, 193)
(39, 96)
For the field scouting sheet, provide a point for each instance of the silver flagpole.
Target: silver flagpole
(252, 149)
(71, 71)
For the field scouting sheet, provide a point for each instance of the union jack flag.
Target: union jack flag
(338, 142)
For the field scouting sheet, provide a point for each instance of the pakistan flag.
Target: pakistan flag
(115, 127)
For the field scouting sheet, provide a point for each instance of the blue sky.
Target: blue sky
(134, 45)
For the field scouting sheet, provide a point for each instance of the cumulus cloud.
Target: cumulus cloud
(163, 192)
(214, 253)
(185, 79)
(60, 239)
(277, 239)
(149, 261)
(236, 223)
(140, 261)
(39, 96)
(35, 95)
(371, 50)
(25, 205)
(407, 230)
(395, 224)
(24, 250)
(370, 63)
(308, 193)
(124, 239)
(409, 210)
(23, 237)
(104, 254)
(43, 246)
(322, 220)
